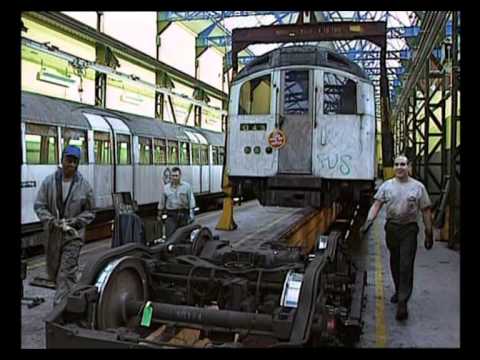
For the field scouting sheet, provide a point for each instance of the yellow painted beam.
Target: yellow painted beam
(226, 221)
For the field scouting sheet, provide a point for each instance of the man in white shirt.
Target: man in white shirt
(178, 202)
(403, 197)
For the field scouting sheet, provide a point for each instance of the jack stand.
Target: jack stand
(226, 221)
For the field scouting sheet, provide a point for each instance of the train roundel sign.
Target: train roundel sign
(277, 138)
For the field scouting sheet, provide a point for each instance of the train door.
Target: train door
(102, 156)
(295, 120)
(102, 160)
(204, 164)
(123, 156)
(40, 158)
(344, 141)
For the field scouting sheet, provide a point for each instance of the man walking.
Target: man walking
(64, 204)
(178, 202)
(404, 197)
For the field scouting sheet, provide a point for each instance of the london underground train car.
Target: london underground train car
(301, 127)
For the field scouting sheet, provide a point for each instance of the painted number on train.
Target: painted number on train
(28, 184)
(277, 139)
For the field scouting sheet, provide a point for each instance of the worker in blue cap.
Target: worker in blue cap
(65, 205)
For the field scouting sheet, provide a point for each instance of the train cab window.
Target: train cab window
(123, 150)
(340, 94)
(41, 144)
(255, 96)
(145, 150)
(172, 158)
(160, 153)
(215, 155)
(296, 92)
(195, 154)
(184, 153)
(101, 148)
(203, 155)
(78, 138)
(221, 155)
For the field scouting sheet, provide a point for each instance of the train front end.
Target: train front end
(301, 128)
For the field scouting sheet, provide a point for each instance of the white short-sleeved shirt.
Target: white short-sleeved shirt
(177, 197)
(403, 200)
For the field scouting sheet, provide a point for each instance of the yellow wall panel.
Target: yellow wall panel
(65, 43)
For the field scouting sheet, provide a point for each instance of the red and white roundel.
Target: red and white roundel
(277, 139)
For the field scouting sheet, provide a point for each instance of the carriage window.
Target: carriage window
(340, 94)
(203, 155)
(296, 92)
(78, 138)
(160, 154)
(195, 154)
(221, 155)
(172, 158)
(184, 154)
(215, 155)
(123, 150)
(255, 96)
(101, 148)
(145, 146)
(41, 144)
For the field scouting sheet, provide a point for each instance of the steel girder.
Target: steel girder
(421, 130)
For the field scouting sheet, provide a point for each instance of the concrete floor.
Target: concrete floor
(434, 309)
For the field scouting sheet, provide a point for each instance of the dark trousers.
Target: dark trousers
(68, 269)
(176, 219)
(401, 241)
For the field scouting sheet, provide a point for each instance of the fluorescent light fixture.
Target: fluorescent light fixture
(55, 78)
(131, 99)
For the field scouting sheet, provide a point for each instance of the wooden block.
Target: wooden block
(186, 337)
(156, 334)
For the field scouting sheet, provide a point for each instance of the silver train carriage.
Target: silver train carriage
(301, 127)
(121, 152)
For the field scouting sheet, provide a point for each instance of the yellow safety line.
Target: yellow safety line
(256, 232)
(380, 329)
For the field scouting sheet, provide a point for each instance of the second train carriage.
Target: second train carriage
(120, 153)
(301, 127)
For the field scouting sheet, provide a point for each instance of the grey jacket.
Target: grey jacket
(77, 207)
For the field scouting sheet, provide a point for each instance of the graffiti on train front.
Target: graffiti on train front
(337, 162)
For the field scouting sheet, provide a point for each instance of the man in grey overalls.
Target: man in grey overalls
(64, 204)
(178, 202)
(404, 197)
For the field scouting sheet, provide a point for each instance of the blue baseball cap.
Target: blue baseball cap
(74, 151)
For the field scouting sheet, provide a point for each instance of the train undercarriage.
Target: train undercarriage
(196, 290)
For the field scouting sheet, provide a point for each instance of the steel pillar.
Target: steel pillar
(453, 224)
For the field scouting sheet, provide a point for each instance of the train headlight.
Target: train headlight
(268, 149)
(247, 149)
(257, 150)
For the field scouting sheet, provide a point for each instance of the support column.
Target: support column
(453, 131)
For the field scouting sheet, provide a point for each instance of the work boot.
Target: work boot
(394, 298)
(402, 311)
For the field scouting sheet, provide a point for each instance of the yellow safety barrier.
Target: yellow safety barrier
(226, 221)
